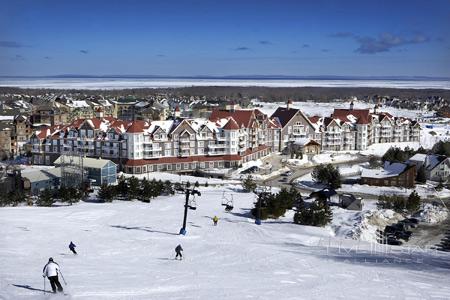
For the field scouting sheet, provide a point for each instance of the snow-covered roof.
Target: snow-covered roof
(388, 170)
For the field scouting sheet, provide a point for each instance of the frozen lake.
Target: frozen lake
(129, 83)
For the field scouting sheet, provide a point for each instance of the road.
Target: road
(299, 172)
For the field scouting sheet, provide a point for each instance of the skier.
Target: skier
(215, 220)
(72, 247)
(178, 250)
(51, 270)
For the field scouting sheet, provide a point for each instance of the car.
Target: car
(284, 179)
(288, 173)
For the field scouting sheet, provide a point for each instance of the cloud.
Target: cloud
(242, 48)
(383, 42)
(306, 45)
(265, 42)
(18, 57)
(12, 44)
(84, 51)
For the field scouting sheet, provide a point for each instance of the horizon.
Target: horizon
(236, 38)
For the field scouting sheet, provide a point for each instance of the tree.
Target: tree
(318, 213)
(133, 188)
(146, 190)
(413, 203)
(122, 187)
(168, 189)
(421, 176)
(106, 193)
(441, 148)
(374, 162)
(45, 198)
(327, 174)
(249, 184)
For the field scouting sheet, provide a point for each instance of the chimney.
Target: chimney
(177, 112)
(289, 103)
(351, 105)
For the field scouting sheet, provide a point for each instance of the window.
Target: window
(169, 167)
(186, 166)
(167, 152)
(178, 166)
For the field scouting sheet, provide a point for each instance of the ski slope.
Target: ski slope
(126, 251)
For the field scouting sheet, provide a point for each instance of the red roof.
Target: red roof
(137, 126)
(314, 119)
(242, 117)
(231, 125)
(362, 115)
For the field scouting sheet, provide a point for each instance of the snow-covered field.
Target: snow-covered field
(126, 252)
(325, 109)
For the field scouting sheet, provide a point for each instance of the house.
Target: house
(294, 125)
(34, 182)
(99, 171)
(350, 202)
(392, 174)
(437, 167)
(305, 146)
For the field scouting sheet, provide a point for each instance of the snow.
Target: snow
(432, 213)
(6, 118)
(179, 178)
(328, 157)
(362, 225)
(128, 83)
(388, 170)
(126, 251)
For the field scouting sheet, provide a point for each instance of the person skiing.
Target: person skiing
(51, 270)
(178, 250)
(215, 220)
(72, 247)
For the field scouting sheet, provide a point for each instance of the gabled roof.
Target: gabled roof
(231, 125)
(362, 116)
(284, 115)
(242, 117)
(137, 126)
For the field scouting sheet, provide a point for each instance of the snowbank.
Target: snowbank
(432, 213)
(362, 225)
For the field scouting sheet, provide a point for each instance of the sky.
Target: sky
(219, 38)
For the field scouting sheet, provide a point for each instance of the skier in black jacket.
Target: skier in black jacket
(178, 250)
(72, 247)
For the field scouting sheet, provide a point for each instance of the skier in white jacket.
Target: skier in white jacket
(51, 271)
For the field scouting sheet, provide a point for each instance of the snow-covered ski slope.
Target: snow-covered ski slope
(126, 251)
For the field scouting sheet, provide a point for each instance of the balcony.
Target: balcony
(216, 146)
(220, 138)
(211, 152)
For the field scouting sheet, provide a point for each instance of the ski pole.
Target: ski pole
(62, 277)
(44, 285)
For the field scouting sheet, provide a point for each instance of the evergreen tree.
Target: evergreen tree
(327, 174)
(133, 188)
(122, 187)
(413, 203)
(197, 184)
(318, 213)
(106, 193)
(168, 188)
(146, 190)
(249, 184)
(45, 198)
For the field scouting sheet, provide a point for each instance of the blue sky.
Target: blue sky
(357, 38)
